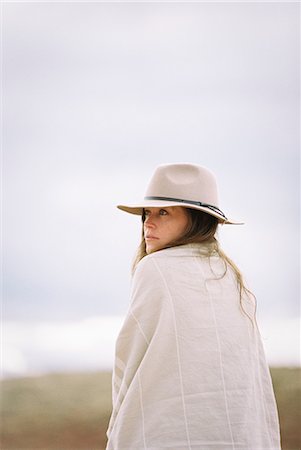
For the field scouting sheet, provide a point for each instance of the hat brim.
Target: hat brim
(138, 209)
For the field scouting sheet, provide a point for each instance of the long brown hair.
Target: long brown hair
(202, 228)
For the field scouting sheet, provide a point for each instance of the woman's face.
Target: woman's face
(163, 225)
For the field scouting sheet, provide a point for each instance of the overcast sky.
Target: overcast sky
(96, 95)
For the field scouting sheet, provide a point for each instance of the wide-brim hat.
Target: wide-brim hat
(182, 184)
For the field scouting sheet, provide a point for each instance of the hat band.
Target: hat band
(192, 202)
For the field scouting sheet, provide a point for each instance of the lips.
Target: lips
(151, 237)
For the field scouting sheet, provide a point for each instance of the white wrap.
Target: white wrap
(190, 370)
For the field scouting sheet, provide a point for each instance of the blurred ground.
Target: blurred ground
(71, 411)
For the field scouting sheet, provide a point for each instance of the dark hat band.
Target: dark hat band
(191, 202)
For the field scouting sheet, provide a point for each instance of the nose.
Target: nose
(149, 222)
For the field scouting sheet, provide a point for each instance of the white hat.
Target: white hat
(184, 184)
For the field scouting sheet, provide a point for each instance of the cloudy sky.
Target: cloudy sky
(95, 96)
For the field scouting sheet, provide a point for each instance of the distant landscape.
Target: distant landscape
(71, 411)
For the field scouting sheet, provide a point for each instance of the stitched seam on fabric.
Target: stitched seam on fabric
(142, 411)
(254, 368)
(140, 327)
(262, 393)
(220, 355)
(121, 385)
(178, 352)
(119, 363)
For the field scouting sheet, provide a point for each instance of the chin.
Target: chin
(152, 248)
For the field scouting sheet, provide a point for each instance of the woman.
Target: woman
(190, 371)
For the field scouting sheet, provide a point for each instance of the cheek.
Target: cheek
(179, 227)
(184, 223)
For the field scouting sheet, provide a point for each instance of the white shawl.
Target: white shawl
(190, 371)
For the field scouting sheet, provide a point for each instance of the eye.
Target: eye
(163, 212)
(146, 212)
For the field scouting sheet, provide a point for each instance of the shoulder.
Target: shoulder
(151, 271)
(148, 285)
(146, 268)
(162, 266)
(149, 265)
(174, 261)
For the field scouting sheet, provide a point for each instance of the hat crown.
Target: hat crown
(184, 181)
